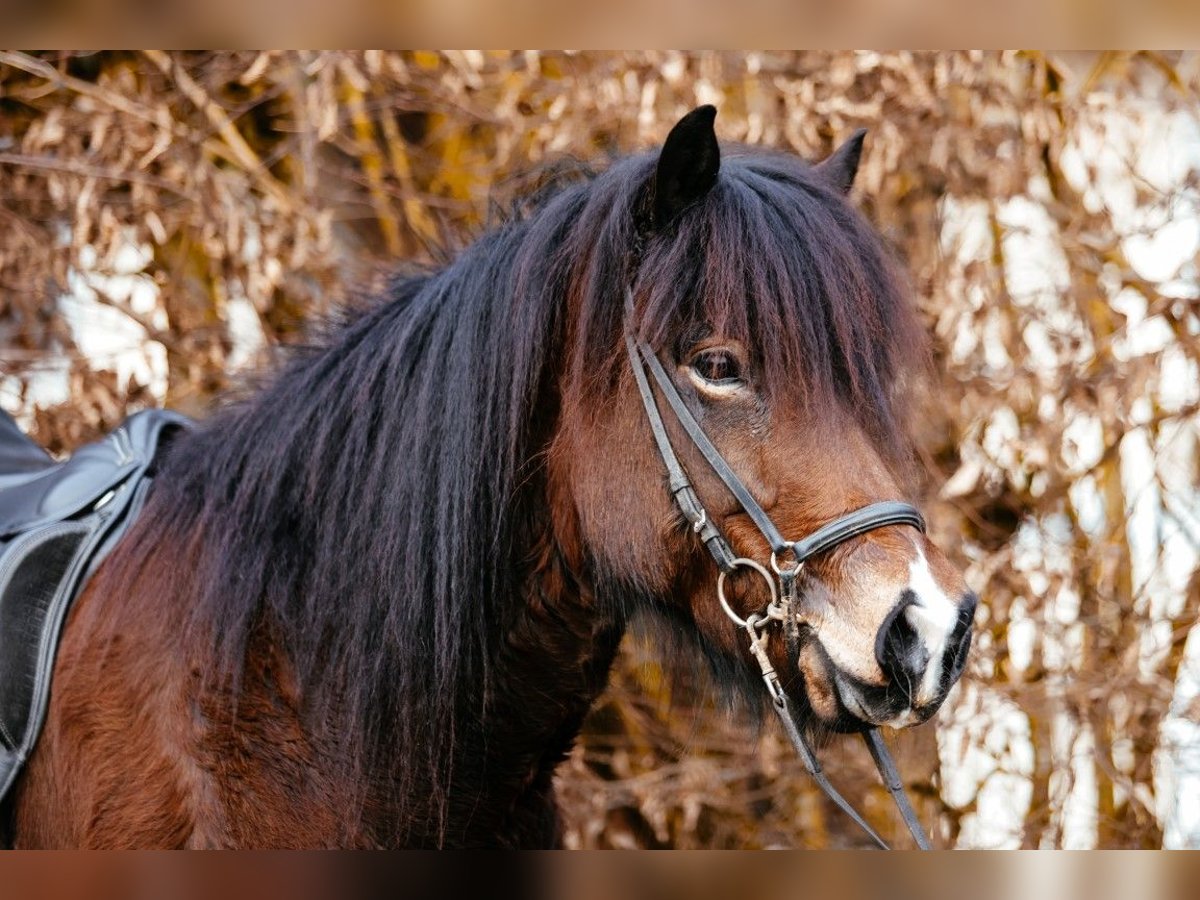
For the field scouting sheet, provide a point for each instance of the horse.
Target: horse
(370, 603)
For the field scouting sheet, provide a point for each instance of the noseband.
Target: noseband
(783, 606)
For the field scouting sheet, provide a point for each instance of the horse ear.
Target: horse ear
(688, 165)
(842, 165)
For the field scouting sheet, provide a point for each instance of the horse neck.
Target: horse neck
(550, 664)
(547, 661)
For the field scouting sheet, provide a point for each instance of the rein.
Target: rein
(783, 606)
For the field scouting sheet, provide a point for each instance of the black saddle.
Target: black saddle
(58, 520)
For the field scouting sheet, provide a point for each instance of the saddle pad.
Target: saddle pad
(44, 567)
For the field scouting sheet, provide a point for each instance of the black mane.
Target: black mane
(375, 503)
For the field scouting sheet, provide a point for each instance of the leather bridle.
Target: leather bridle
(784, 604)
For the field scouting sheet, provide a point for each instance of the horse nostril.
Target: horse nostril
(960, 641)
(899, 650)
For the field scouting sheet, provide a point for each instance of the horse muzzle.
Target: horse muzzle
(918, 670)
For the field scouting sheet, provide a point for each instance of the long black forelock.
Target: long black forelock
(775, 258)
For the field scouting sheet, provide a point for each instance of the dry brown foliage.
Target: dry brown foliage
(1060, 435)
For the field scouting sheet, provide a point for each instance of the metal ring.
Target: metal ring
(792, 571)
(750, 564)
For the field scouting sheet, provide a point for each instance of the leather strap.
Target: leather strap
(759, 516)
(891, 779)
(681, 488)
(809, 758)
(851, 525)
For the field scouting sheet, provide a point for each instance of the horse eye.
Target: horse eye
(717, 366)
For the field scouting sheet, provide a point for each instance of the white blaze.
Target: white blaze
(933, 617)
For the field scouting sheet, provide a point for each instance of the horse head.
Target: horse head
(779, 323)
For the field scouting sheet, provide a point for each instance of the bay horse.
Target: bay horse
(370, 604)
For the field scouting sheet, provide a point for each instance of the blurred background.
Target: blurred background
(167, 219)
